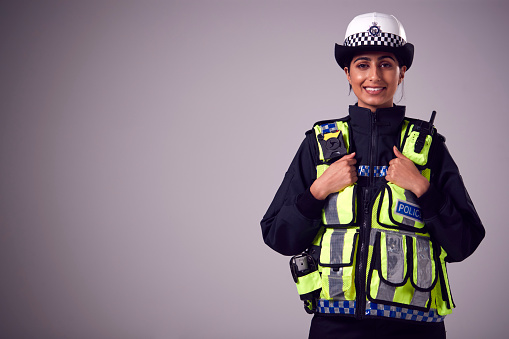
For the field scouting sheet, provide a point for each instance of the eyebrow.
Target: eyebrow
(369, 59)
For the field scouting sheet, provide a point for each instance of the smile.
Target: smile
(374, 90)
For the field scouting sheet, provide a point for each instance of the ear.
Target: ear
(402, 71)
(347, 73)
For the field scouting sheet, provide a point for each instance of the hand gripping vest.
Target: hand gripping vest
(406, 275)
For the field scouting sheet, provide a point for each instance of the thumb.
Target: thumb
(349, 156)
(346, 157)
(398, 153)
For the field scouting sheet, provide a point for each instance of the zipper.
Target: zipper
(366, 226)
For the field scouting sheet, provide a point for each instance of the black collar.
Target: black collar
(388, 120)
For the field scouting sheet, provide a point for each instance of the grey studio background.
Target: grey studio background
(142, 141)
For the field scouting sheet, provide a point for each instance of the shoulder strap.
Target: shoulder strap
(416, 138)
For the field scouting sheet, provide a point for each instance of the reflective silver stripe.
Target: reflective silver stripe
(424, 274)
(420, 298)
(372, 236)
(385, 292)
(337, 242)
(336, 284)
(424, 269)
(395, 258)
(331, 209)
(395, 266)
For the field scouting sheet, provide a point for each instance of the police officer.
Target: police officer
(376, 203)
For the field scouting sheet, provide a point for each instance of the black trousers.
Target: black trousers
(340, 327)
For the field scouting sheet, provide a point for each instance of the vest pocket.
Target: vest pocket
(397, 208)
(337, 256)
(409, 148)
(403, 270)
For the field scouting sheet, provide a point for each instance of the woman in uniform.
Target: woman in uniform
(373, 206)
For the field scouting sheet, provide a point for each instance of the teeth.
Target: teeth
(374, 89)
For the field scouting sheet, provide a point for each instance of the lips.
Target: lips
(374, 90)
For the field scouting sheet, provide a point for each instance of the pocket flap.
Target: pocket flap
(338, 247)
(397, 209)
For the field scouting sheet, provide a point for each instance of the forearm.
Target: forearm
(449, 213)
(289, 232)
(293, 218)
(458, 230)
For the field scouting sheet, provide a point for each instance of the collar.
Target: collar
(387, 119)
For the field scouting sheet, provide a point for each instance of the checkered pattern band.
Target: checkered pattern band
(363, 171)
(403, 313)
(329, 128)
(366, 39)
(379, 310)
(379, 171)
(336, 307)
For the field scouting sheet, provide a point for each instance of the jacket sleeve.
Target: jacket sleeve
(293, 218)
(447, 209)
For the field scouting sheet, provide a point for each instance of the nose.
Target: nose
(374, 73)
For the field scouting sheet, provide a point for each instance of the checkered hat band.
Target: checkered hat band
(403, 313)
(366, 39)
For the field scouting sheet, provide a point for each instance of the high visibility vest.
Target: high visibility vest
(406, 274)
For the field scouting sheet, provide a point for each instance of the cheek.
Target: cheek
(395, 78)
(355, 80)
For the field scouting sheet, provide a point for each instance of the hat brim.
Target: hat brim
(344, 54)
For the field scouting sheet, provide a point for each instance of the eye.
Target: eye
(385, 65)
(362, 65)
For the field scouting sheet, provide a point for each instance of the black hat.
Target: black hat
(375, 32)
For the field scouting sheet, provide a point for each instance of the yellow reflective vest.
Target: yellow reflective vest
(404, 274)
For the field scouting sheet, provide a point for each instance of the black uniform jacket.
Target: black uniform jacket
(294, 216)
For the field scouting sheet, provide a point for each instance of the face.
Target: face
(375, 77)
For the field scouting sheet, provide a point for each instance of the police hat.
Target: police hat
(375, 32)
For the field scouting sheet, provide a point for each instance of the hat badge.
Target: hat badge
(374, 30)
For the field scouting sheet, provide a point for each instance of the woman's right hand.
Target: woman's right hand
(340, 174)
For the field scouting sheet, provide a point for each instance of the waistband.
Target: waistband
(379, 310)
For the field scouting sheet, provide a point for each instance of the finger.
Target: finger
(398, 153)
(350, 162)
(394, 162)
(388, 176)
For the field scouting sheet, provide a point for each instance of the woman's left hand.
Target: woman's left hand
(402, 172)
